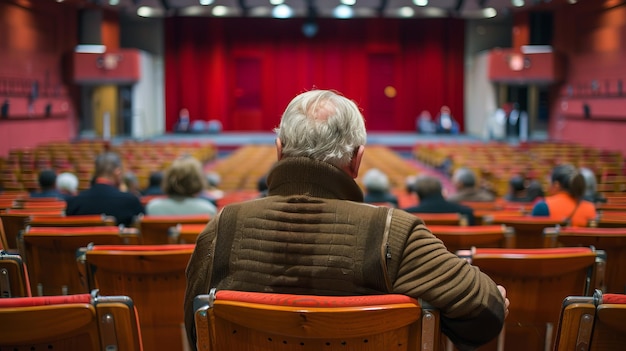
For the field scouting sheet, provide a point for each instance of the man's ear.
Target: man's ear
(355, 163)
(279, 149)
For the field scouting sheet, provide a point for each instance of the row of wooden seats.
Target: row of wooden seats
(277, 322)
(536, 280)
(151, 275)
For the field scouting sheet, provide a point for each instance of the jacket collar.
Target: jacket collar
(305, 176)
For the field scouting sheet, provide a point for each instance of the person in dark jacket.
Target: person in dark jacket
(312, 233)
(104, 196)
(431, 200)
(47, 180)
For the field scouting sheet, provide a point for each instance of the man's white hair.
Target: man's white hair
(322, 125)
(67, 181)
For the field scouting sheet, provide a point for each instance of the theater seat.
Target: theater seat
(83, 322)
(592, 323)
(234, 320)
(537, 281)
(13, 276)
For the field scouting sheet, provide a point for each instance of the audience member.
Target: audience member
(47, 185)
(377, 191)
(183, 124)
(67, 184)
(522, 190)
(131, 184)
(425, 123)
(312, 234)
(212, 191)
(183, 182)
(431, 200)
(591, 186)
(104, 195)
(445, 122)
(464, 181)
(154, 187)
(565, 200)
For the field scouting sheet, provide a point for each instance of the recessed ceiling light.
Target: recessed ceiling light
(420, 2)
(205, 2)
(406, 12)
(219, 11)
(282, 11)
(343, 11)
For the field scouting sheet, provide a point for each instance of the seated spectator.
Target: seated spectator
(565, 200)
(131, 184)
(430, 199)
(212, 192)
(425, 123)
(183, 124)
(67, 184)
(154, 184)
(183, 182)
(464, 181)
(314, 235)
(104, 196)
(47, 185)
(377, 191)
(591, 187)
(445, 123)
(522, 190)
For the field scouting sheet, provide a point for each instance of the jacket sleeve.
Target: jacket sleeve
(198, 275)
(471, 306)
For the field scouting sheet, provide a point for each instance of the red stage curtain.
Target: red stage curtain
(243, 72)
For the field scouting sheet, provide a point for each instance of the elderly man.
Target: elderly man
(313, 234)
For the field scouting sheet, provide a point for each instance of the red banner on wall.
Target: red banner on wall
(111, 67)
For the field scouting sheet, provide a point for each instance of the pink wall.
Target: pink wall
(35, 39)
(26, 134)
(595, 51)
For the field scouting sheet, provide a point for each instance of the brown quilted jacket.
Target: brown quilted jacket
(313, 235)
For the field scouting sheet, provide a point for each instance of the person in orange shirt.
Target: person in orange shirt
(566, 198)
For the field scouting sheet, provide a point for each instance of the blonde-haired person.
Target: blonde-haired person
(182, 183)
(565, 201)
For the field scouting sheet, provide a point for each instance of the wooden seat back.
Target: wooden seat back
(154, 277)
(537, 280)
(442, 218)
(50, 255)
(465, 237)
(84, 322)
(13, 276)
(186, 233)
(610, 240)
(12, 225)
(72, 221)
(232, 320)
(156, 229)
(528, 229)
(592, 323)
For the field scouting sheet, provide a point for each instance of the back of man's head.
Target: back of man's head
(322, 125)
(47, 179)
(464, 178)
(427, 186)
(67, 182)
(108, 164)
(375, 180)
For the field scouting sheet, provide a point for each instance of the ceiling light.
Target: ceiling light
(114, 2)
(517, 3)
(572, 1)
(205, 2)
(406, 12)
(219, 11)
(420, 2)
(343, 11)
(348, 2)
(147, 11)
(282, 11)
(90, 48)
(490, 12)
(277, 2)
